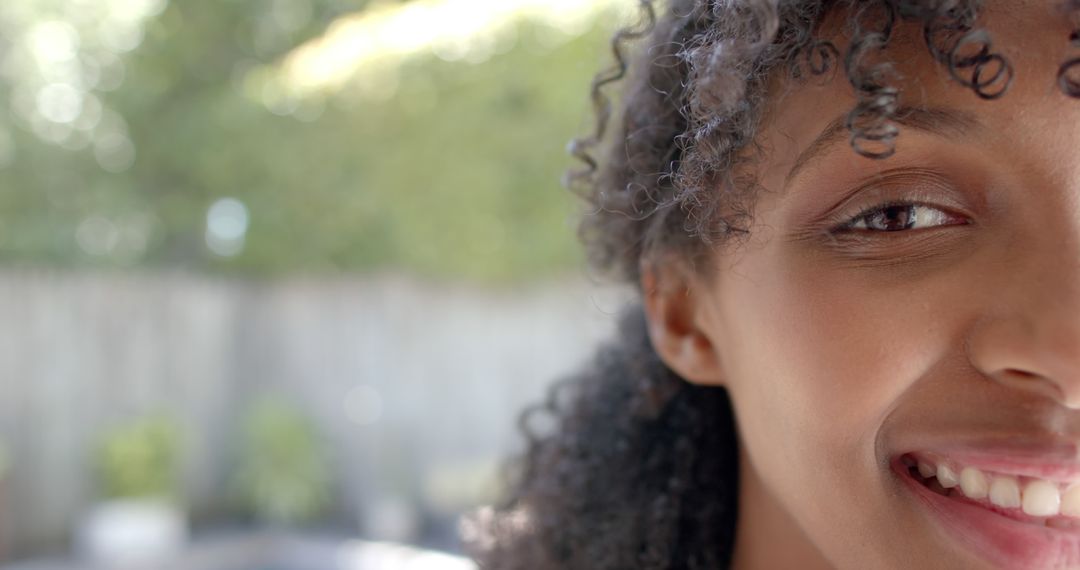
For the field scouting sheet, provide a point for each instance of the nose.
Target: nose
(1043, 360)
(1029, 339)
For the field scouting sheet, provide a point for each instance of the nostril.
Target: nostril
(1020, 374)
(1027, 356)
(1034, 383)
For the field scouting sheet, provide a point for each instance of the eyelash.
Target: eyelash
(846, 225)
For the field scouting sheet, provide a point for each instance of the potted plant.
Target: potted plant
(283, 478)
(139, 521)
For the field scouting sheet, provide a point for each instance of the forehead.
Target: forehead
(1033, 116)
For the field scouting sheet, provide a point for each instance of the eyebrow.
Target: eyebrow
(946, 122)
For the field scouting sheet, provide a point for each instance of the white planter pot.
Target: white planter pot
(134, 533)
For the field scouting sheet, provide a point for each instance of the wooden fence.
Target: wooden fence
(413, 386)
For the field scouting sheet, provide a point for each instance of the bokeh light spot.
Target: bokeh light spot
(120, 36)
(53, 42)
(97, 235)
(59, 102)
(226, 227)
(114, 152)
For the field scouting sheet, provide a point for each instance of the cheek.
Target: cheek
(817, 358)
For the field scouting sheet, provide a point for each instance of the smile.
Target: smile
(1035, 500)
(1012, 513)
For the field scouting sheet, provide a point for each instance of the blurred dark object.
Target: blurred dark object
(283, 552)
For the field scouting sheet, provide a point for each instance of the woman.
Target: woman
(855, 227)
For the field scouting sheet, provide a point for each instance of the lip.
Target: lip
(1000, 541)
(1055, 460)
(1057, 472)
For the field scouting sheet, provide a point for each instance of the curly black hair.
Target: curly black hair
(640, 471)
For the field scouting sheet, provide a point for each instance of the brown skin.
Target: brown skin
(842, 351)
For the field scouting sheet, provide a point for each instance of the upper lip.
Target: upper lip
(1044, 456)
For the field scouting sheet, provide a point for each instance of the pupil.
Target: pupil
(894, 218)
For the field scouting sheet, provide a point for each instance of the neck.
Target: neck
(766, 536)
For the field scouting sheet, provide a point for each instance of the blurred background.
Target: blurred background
(277, 276)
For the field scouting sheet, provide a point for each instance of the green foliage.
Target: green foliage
(140, 459)
(283, 477)
(456, 175)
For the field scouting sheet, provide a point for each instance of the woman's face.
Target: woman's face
(945, 328)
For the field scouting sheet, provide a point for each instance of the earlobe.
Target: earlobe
(672, 304)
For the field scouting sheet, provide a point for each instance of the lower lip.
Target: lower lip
(1001, 541)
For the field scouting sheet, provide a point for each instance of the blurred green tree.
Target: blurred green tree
(446, 169)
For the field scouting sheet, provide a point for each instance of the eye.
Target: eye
(895, 217)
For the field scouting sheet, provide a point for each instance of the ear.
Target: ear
(673, 308)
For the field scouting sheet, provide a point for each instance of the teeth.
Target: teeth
(973, 483)
(926, 470)
(1036, 497)
(947, 477)
(1070, 502)
(1005, 492)
(1041, 499)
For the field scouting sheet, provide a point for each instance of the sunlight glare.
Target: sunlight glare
(452, 29)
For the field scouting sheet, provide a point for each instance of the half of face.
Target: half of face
(901, 337)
